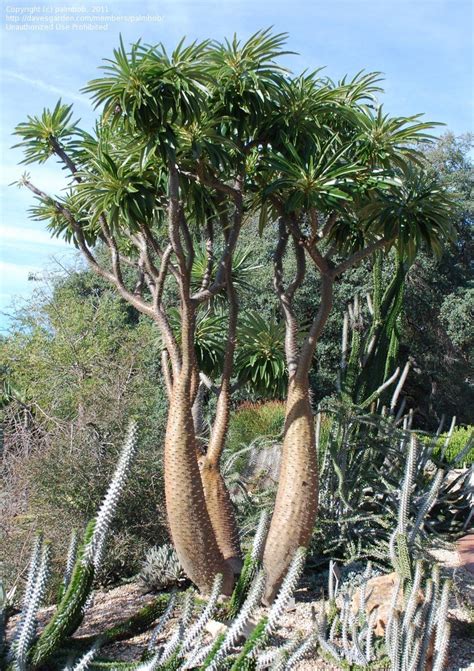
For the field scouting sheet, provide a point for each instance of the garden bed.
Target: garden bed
(115, 605)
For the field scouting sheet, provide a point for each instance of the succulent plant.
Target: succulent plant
(161, 568)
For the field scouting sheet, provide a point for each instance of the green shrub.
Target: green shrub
(457, 443)
(254, 420)
(65, 483)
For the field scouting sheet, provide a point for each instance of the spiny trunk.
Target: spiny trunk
(218, 501)
(222, 514)
(297, 497)
(198, 411)
(189, 521)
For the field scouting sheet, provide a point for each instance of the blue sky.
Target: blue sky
(423, 47)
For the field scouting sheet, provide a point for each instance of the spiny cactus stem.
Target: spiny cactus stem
(108, 507)
(206, 615)
(260, 537)
(71, 558)
(28, 627)
(162, 621)
(235, 631)
(287, 588)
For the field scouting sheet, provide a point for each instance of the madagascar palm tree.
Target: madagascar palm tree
(193, 143)
(166, 165)
(338, 200)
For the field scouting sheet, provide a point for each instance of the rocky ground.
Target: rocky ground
(113, 606)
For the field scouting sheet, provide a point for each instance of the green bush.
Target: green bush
(457, 443)
(254, 420)
(79, 373)
(65, 484)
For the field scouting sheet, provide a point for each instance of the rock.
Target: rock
(379, 593)
(215, 628)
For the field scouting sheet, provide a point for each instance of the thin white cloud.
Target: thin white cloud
(16, 272)
(21, 236)
(39, 83)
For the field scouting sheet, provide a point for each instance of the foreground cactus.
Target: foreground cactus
(29, 651)
(416, 634)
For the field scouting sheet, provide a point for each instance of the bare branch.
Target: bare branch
(328, 226)
(319, 321)
(359, 256)
(134, 300)
(210, 181)
(61, 153)
(153, 244)
(160, 283)
(188, 241)
(231, 240)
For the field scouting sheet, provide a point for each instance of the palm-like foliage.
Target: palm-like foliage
(39, 132)
(150, 87)
(212, 132)
(416, 210)
(318, 180)
(260, 360)
(128, 192)
(386, 141)
(243, 269)
(248, 77)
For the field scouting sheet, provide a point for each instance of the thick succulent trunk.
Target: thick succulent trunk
(188, 518)
(218, 501)
(221, 512)
(297, 497)
(198, 411)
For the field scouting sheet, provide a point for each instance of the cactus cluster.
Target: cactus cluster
(364, 481)
(161, 568)
(28, 650)
(416, 630)
(184, 647)
(368, 361)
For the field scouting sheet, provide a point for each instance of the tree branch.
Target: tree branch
(167, 373)
(219, 282)
(117, 281)
(206, 278)
(311, 340)
(286, 297)
(359, 256)
(221, 420)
